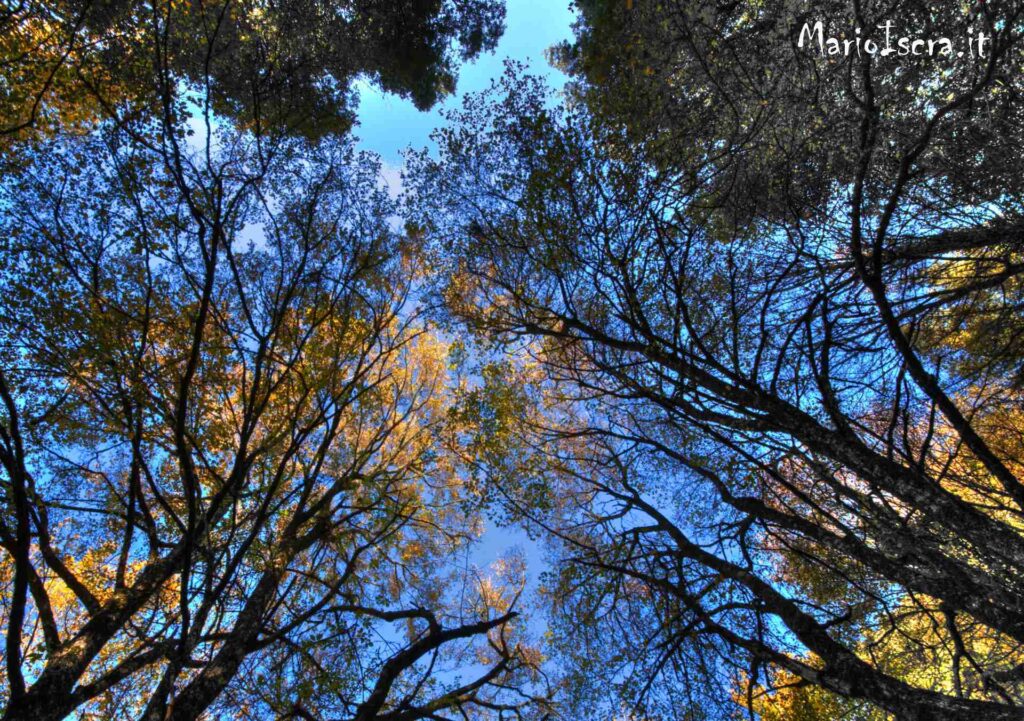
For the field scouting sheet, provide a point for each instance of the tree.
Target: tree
(283, 65)
(778, 433)
(225, 475)
(760, 117)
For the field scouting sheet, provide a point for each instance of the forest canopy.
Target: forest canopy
(730, 327)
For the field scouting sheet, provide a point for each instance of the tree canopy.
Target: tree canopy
(732, 327)
(224, 443)
(231, 481)
(768, 304)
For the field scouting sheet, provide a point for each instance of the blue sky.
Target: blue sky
(388, 124)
